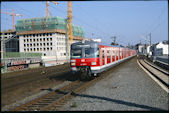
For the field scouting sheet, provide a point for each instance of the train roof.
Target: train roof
(99, 43)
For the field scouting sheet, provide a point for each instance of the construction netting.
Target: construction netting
(46, 23)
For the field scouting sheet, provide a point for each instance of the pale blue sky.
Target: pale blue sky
(129, 21)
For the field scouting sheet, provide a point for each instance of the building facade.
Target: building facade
(9, 41)
(162, 48)
(46, 36)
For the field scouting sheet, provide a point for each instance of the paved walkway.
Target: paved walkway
(127, 88)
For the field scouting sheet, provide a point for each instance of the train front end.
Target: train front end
(84, 56)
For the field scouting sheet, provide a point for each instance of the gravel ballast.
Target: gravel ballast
(27, 99)
(127, 88)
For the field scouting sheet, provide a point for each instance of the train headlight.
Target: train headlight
(72, 64)
(93, 63)
(72, 60)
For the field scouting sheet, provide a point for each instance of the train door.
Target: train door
(102, 56)
(115, 50)
(105, 58)
(117, 54)
(111, 53)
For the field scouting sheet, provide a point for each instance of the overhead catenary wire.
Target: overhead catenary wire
(80, 20)
(155, 20)
(95, 19)
(155, 23)
(92, 17)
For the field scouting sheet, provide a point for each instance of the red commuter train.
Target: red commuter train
(91, 57)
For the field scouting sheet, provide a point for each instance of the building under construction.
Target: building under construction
(46, 35)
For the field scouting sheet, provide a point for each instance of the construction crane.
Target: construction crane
(47, 7)
(69, 26)
(13, 17)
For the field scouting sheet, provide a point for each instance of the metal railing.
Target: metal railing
(20, 55)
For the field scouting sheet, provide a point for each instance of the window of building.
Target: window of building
(27, 49)
(30, 40)
(30, 45)
(43, 44)
(37, 39)
(24, 40)
(47, 39)
(40, 39)
(24, 45)
(47, 44)
(40, 44)
(34, 44)
(51, 48)
(27, 45)
(34, 49)
(47, 48)
(51, 43)
(24, 49)
(43, 39)
(27, 40)
(40, 49)
(37, 44)
(31, 49)
(37, 49)
(44, 49)
(34, 40)
(51, 39)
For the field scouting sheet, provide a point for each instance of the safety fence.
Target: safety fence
(20, 55)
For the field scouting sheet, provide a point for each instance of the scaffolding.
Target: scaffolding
(46, 24)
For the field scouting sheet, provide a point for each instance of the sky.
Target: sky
(130, 21)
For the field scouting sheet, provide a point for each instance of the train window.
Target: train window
(91, 52)
(76, 53)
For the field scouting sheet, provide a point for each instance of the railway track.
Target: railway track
(156, 73)
(46, 101)
(54, 100)
(157, 68)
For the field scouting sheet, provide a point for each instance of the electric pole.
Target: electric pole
(114, 40)
(150, 39)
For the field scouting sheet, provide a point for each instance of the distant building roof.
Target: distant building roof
(165, 42)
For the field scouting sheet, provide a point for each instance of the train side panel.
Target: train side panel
(110, 56)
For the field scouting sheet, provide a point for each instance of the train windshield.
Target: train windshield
(76, 53)
(83, 51)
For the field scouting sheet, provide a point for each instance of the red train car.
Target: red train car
(91, 57)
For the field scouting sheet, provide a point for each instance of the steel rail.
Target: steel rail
(163, 71)
(56, 106)
(43, 100)
(56, 99)
(161, 82)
